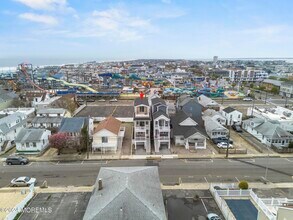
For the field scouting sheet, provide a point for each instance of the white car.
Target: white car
(224, 145)
(247, 99)
(23, 181)
(213, 216)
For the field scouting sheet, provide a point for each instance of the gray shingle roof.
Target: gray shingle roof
(10, 119)
(51, 111)
(272, 130)
(186, 131)
(211, 124)
(38, 120)
(72, 124)
(139, 101)
(206, 101)
(159, 113)
(29, 135)
(158, 100)
(128, 193)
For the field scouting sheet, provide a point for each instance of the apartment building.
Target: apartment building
(247, 75)
(161, 124)
(142, 124)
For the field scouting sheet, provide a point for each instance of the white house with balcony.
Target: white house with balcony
(185, 131)
(142, 124)
(161, 124)
(108, 135)
(9, 129)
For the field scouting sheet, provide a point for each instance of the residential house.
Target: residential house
(268, 132)
(29, 112)
(10, 127)
(194, 109)
(182, 100)
(108, 135)
(286, 89)
(142, 124)
(52, 112)
(36, 97)
(161, 124)
(126, 193)
(73, 126)
(31, 140)
(208, 103)
(185, 131)
(271, 83)
(6, 98)
(214, 129)
(232, 116)
(217, 116)
(283, 115)
(46, 122)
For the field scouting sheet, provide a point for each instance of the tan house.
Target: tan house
(108, 135)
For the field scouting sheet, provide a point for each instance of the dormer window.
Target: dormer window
(141, 108)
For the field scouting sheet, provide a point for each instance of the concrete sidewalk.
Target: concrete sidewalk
(186, 186)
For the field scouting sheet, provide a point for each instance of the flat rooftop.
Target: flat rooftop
(105, 111)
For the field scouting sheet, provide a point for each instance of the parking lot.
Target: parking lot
(57, 206)
(189, 204)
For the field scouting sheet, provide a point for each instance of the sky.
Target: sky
(60, 31)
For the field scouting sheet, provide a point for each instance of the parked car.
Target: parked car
(237, 128)
(17, 160)
(224, 145)
(221, 139)
(23, 181)
(213, 216)
(113, 100)
(101, 100)
(247, 99)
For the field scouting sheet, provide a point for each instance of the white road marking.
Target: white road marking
(246, 176)
(30, 163)
(82, 162)
(237, 179)
(199, 161)
(245, 160)
(206, 179)
(289, 160)
(219, 176)
(190, 176)
(204, 205)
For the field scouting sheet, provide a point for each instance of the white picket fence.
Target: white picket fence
(19, 207)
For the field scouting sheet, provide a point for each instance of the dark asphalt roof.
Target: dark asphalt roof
(139, 101)
(127, 193)
(229, 109)
(194, 109)
(158, 100)
(186, 131)
(72, 124)
(159, 113)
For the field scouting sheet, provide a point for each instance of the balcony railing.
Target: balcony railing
(162, 127)
(162, 138)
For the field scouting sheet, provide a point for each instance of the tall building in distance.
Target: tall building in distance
(215, 59)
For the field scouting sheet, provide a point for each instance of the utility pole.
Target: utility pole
(266, 97)
(267, 164)
(227, 150)
(252, 107)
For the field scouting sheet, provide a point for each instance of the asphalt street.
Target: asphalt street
(171, 171)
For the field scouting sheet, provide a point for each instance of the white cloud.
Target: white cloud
(118, 23)
(44, 19)
(48, 5)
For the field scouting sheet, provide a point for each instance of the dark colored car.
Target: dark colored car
(237, 128)
(16, 160)
(221, 139)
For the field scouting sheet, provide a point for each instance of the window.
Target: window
(104, 139)
(238, 116)
(146, 122)
(141, 123)
(27, 144)
(141, 109)
(34, 144)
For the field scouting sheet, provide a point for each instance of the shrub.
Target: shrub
(243, 184)
(290, 144)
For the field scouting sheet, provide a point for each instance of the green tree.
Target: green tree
(275, 90)
(273, 77)
(290, 144)
(262, 88)
(251, 85)
(84, 139)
